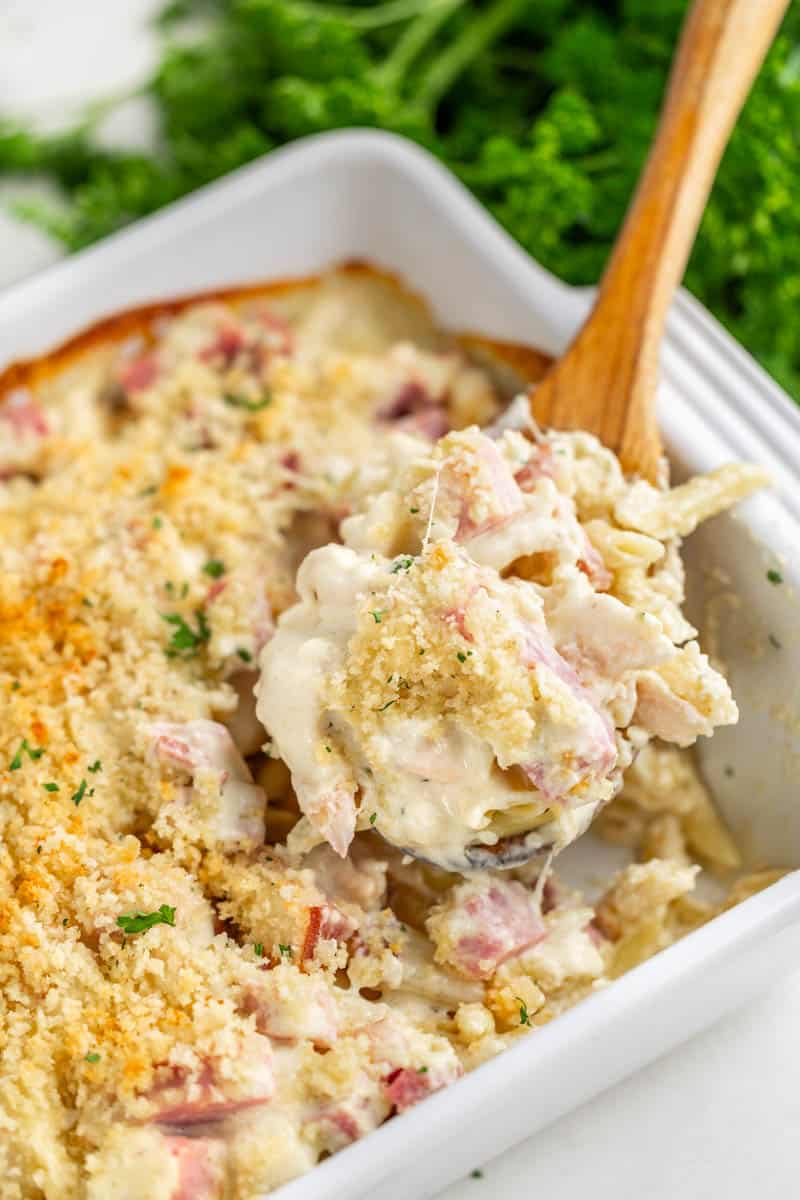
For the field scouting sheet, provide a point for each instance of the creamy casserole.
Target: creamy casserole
(199, 996)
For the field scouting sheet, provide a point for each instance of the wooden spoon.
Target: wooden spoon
(606, 381)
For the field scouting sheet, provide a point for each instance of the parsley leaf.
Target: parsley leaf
(214, 568)
(373, 818)
(258, 949)
(244, 655)
(50, 787)
(249, 405)
(186, 641)
(402, 564)
(774, 576)
(76, 797)
(139, 922)
(524, 1019)
(33, 752)
(95, 766)
(377, 615)
(286, 951)
(92, 1057)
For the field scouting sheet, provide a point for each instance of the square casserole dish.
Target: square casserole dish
(366, 195)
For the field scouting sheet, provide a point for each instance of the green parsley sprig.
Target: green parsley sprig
(186, 641)
(139, 922)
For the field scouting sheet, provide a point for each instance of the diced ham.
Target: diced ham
(541, 465)
(140, 373)
(432, 423)
(134, 1161)
(325, 921)
(593, 567)
(280, 333)
(216, 589)
(200, 1175)
(24, 415)
(180, 1097)
(483, 923)
(345, 1120)
(594, 751)
(414, 409)
(406, 1086)
(198, 744)
(227, 343)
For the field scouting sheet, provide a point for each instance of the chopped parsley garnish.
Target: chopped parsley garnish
(774, 576)
(476, 1174)
(258, 948)
(388, 704)
(413, 510)
(185, 640)
(244, 655)
(214, 568)
(33, 752)
(95, 766)
(16, 685)
(328, 750)
(86, 602)
(93, 1057)
(402, 564)
(422, 1070)
(249, 405)
(149, 491)
(461, 656)
(373, 818)
(524, 1019)
(139, 922)
(81, 792)
(773, 641)
(286, 951)
(50, 787)
(377, 615)
(157, 522)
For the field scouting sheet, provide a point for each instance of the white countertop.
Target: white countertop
(714, 1119)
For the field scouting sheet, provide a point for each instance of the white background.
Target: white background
(715, 1119)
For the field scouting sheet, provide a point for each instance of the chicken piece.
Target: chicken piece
(23, 428)
(222, 807)
(289, 1005)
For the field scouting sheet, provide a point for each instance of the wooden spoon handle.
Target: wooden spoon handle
(606, 381)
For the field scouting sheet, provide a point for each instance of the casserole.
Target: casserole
(368, 195)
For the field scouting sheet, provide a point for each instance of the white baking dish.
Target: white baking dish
(369, 195)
